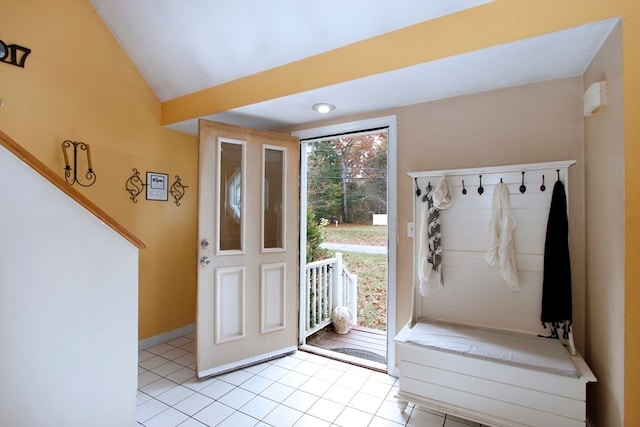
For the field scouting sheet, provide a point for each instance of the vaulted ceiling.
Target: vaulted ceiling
(182, 47)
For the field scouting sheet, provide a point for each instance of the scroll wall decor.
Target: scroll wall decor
(13, 54)
(157, 187)
(177, 190)
(71, 172)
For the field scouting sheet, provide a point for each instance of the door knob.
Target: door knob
(205, 260)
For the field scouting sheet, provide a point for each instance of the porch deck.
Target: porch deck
(346, 347)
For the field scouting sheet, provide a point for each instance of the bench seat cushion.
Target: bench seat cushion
(512, 348)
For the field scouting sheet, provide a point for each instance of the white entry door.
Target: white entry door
(247, 247)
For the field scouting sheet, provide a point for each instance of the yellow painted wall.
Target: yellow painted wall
(631, 103)
(79, 84)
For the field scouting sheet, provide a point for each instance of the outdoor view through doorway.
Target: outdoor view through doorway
(346, 250)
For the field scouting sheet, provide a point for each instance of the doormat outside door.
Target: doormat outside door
(362, 354)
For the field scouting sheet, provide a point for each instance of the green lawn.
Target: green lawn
(372, 287)
(375, 235)
(370, 268)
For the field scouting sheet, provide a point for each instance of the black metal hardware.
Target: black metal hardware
(523, 187)
(90, 175)
(9, 54)
(558, 172)
(135, 185)
(177, 190)
(464, 190)
(543, 187)
(418, 192)
(480, 188)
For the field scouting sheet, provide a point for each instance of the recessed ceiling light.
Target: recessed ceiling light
(323, 107)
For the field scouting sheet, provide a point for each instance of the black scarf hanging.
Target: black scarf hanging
(434, 256)
(556, 285)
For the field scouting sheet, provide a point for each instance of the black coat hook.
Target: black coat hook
(464, 190)
(418, 192)
(523, 187)
(543, 187)
(558, 172)
(480, 189)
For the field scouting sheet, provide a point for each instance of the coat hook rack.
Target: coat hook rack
(71, 173)
(177, 190)
(480, 189)
(523, 187)
(543, 187)
(464, 190)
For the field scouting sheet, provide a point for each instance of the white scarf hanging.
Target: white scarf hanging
(442, 196)
(501, 250)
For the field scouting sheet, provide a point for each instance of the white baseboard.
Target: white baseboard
(166, 336)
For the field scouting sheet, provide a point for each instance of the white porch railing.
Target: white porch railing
(329, 284)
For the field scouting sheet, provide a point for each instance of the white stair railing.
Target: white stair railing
(329, 284)
(350, 286)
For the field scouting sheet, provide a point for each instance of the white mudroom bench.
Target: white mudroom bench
(473, 349)
(498, 378)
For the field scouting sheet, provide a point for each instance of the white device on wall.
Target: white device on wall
(595, 98)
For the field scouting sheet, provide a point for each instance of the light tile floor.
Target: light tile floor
(300, 389)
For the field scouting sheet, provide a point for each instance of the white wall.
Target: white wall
(68, 309)
(605, 237)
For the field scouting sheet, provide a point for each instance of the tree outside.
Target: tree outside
(347, 177)
(315, 237)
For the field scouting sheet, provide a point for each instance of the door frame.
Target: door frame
(390, 122)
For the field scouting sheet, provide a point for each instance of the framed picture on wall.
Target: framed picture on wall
(157, 186)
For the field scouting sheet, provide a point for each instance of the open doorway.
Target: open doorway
(345, 233)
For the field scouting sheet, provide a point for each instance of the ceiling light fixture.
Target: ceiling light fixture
(323, 107)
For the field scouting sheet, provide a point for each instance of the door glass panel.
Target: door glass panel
(273, 192)
(230, 195)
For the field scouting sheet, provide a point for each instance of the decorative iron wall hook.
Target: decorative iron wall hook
(543, 187)
(177, 190)
(71, 179)
(558, 172)
(523, 187)
(135, 185)
(464, 190)
(418, 191)
(481, 188)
